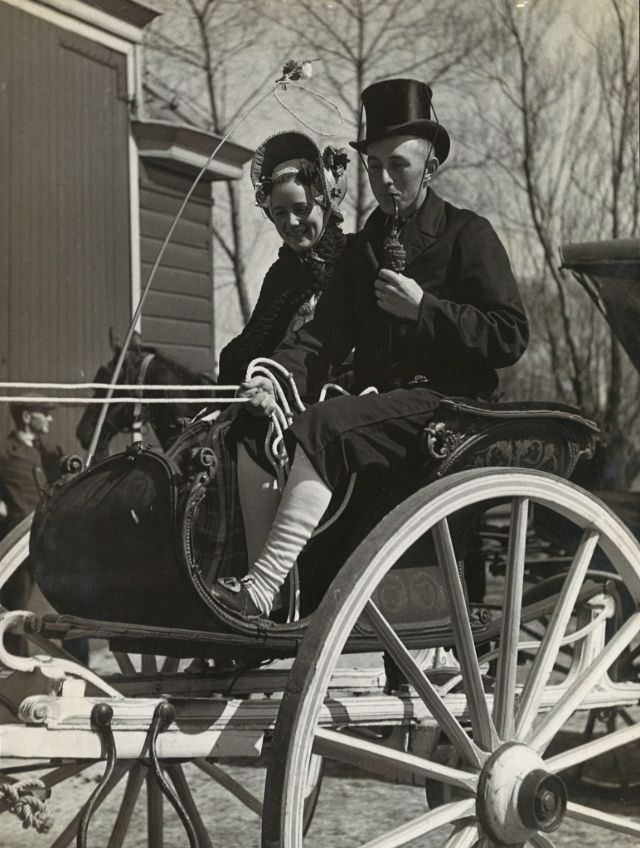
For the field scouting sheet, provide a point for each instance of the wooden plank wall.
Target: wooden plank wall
(64, 206)
(178, 313)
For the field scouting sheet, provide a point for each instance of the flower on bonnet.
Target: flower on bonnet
(292, 71)
(335, 159)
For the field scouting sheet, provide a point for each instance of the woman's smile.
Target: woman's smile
(298, 220)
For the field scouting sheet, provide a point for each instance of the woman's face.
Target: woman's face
(298, 221)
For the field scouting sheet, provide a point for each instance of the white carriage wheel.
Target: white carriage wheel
(14, 549)
(506, 788)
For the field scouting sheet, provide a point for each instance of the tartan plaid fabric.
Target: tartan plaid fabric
(218, 531)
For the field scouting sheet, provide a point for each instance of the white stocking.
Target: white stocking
(304, 501)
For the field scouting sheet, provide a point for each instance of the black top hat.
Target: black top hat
(401, 107)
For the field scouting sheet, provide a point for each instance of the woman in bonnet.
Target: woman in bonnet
(300, 189)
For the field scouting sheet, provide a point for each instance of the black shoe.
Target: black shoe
(233, 597)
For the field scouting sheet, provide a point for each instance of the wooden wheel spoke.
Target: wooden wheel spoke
(541, 841)
(503, 709)
(124, 662)
(465, 836)
(131, 793)
(231, 785)
(371, 756)
(423, 686)
(624, 714)
(60, 773)
(598, 818)
(591, 723)
(594, 748)
(170, 664)
(176, 773)
(546, 656)
(68, 834)
(583, 683)
(420, 826)
(148, 664)
(481, 721)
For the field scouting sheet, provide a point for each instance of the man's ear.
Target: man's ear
(433, 163)
(25, 417)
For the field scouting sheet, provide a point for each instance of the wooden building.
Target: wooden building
(88, 189)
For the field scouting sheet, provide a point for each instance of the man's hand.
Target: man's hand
(260, 396)
(399, 295)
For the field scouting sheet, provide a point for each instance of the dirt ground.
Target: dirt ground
(351, 811)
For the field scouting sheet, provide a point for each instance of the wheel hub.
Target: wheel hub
(518, 796)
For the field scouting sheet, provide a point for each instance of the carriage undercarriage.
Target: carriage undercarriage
(486, 722)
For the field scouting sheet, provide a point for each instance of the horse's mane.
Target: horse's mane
(183, 372)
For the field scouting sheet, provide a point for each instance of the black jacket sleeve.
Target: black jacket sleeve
(260, 335)
(484, 323)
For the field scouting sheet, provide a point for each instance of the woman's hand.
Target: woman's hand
(260, 396)
(399, 295)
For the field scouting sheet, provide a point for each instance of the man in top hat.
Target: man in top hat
(441, 323)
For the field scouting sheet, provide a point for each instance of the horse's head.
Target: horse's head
(119, 418)
(138, 367)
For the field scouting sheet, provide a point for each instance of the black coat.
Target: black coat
(288, 287)
(25, 472)
(471, 320)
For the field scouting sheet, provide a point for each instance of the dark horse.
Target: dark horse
(167, 420)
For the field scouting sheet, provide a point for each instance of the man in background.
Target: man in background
(27, 465)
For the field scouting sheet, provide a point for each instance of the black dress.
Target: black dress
(287, 299)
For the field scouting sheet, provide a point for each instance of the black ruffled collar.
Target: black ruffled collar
(321, 260)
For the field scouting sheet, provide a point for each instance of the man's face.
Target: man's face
(397, 169)
(38, 421)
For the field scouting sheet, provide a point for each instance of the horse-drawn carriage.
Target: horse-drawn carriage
(473, 693)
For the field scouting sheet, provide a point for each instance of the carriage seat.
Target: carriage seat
(467, 434)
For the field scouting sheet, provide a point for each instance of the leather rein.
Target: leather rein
(137, 420)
